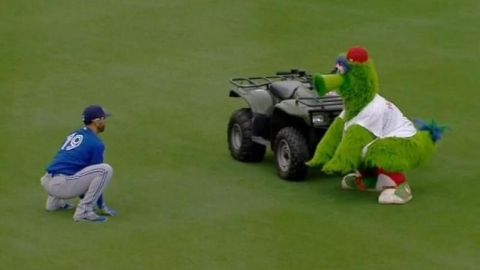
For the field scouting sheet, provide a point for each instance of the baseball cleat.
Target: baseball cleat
(56, 204)
(90, 217)
(106, 211)
(66, 206)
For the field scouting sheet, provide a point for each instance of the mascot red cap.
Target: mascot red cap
(358, 55)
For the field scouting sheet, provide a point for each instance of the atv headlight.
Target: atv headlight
(318, 119)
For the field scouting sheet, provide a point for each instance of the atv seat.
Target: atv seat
(284, 89)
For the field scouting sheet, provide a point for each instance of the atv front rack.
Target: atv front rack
(328, 103)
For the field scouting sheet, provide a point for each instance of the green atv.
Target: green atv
(284, 113)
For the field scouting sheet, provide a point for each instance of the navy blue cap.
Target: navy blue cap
(93, 112)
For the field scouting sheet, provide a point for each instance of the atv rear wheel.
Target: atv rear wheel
(240, 144)
(291, 153)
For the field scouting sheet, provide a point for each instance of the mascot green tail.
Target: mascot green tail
(436, 131)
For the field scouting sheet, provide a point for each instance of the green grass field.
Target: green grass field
(162, 68)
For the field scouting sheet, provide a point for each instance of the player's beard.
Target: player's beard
(101, 128)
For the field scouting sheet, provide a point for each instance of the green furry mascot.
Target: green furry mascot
(371, 137)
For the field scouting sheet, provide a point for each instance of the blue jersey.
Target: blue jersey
(82, 148)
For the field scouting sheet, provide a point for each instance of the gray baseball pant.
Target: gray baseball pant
(90, 182)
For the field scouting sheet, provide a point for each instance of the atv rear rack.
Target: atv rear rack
(263, 81)
(254, 82)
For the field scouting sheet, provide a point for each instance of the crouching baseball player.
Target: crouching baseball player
(78, 170)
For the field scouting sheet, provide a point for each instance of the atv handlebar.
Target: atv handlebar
(294, 72)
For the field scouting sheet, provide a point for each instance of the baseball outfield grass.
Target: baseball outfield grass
(162, 68)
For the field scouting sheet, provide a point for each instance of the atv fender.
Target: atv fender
(292, 108)
(259, 100)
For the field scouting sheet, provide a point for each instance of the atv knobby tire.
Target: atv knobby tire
(291, 153)
(240, 142)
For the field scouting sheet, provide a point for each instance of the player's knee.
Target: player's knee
(107, 168)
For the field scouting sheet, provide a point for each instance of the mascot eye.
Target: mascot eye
(340, 69)
(342, 65)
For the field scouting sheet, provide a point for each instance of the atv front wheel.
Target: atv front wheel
(291, 153)
(240, 144)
